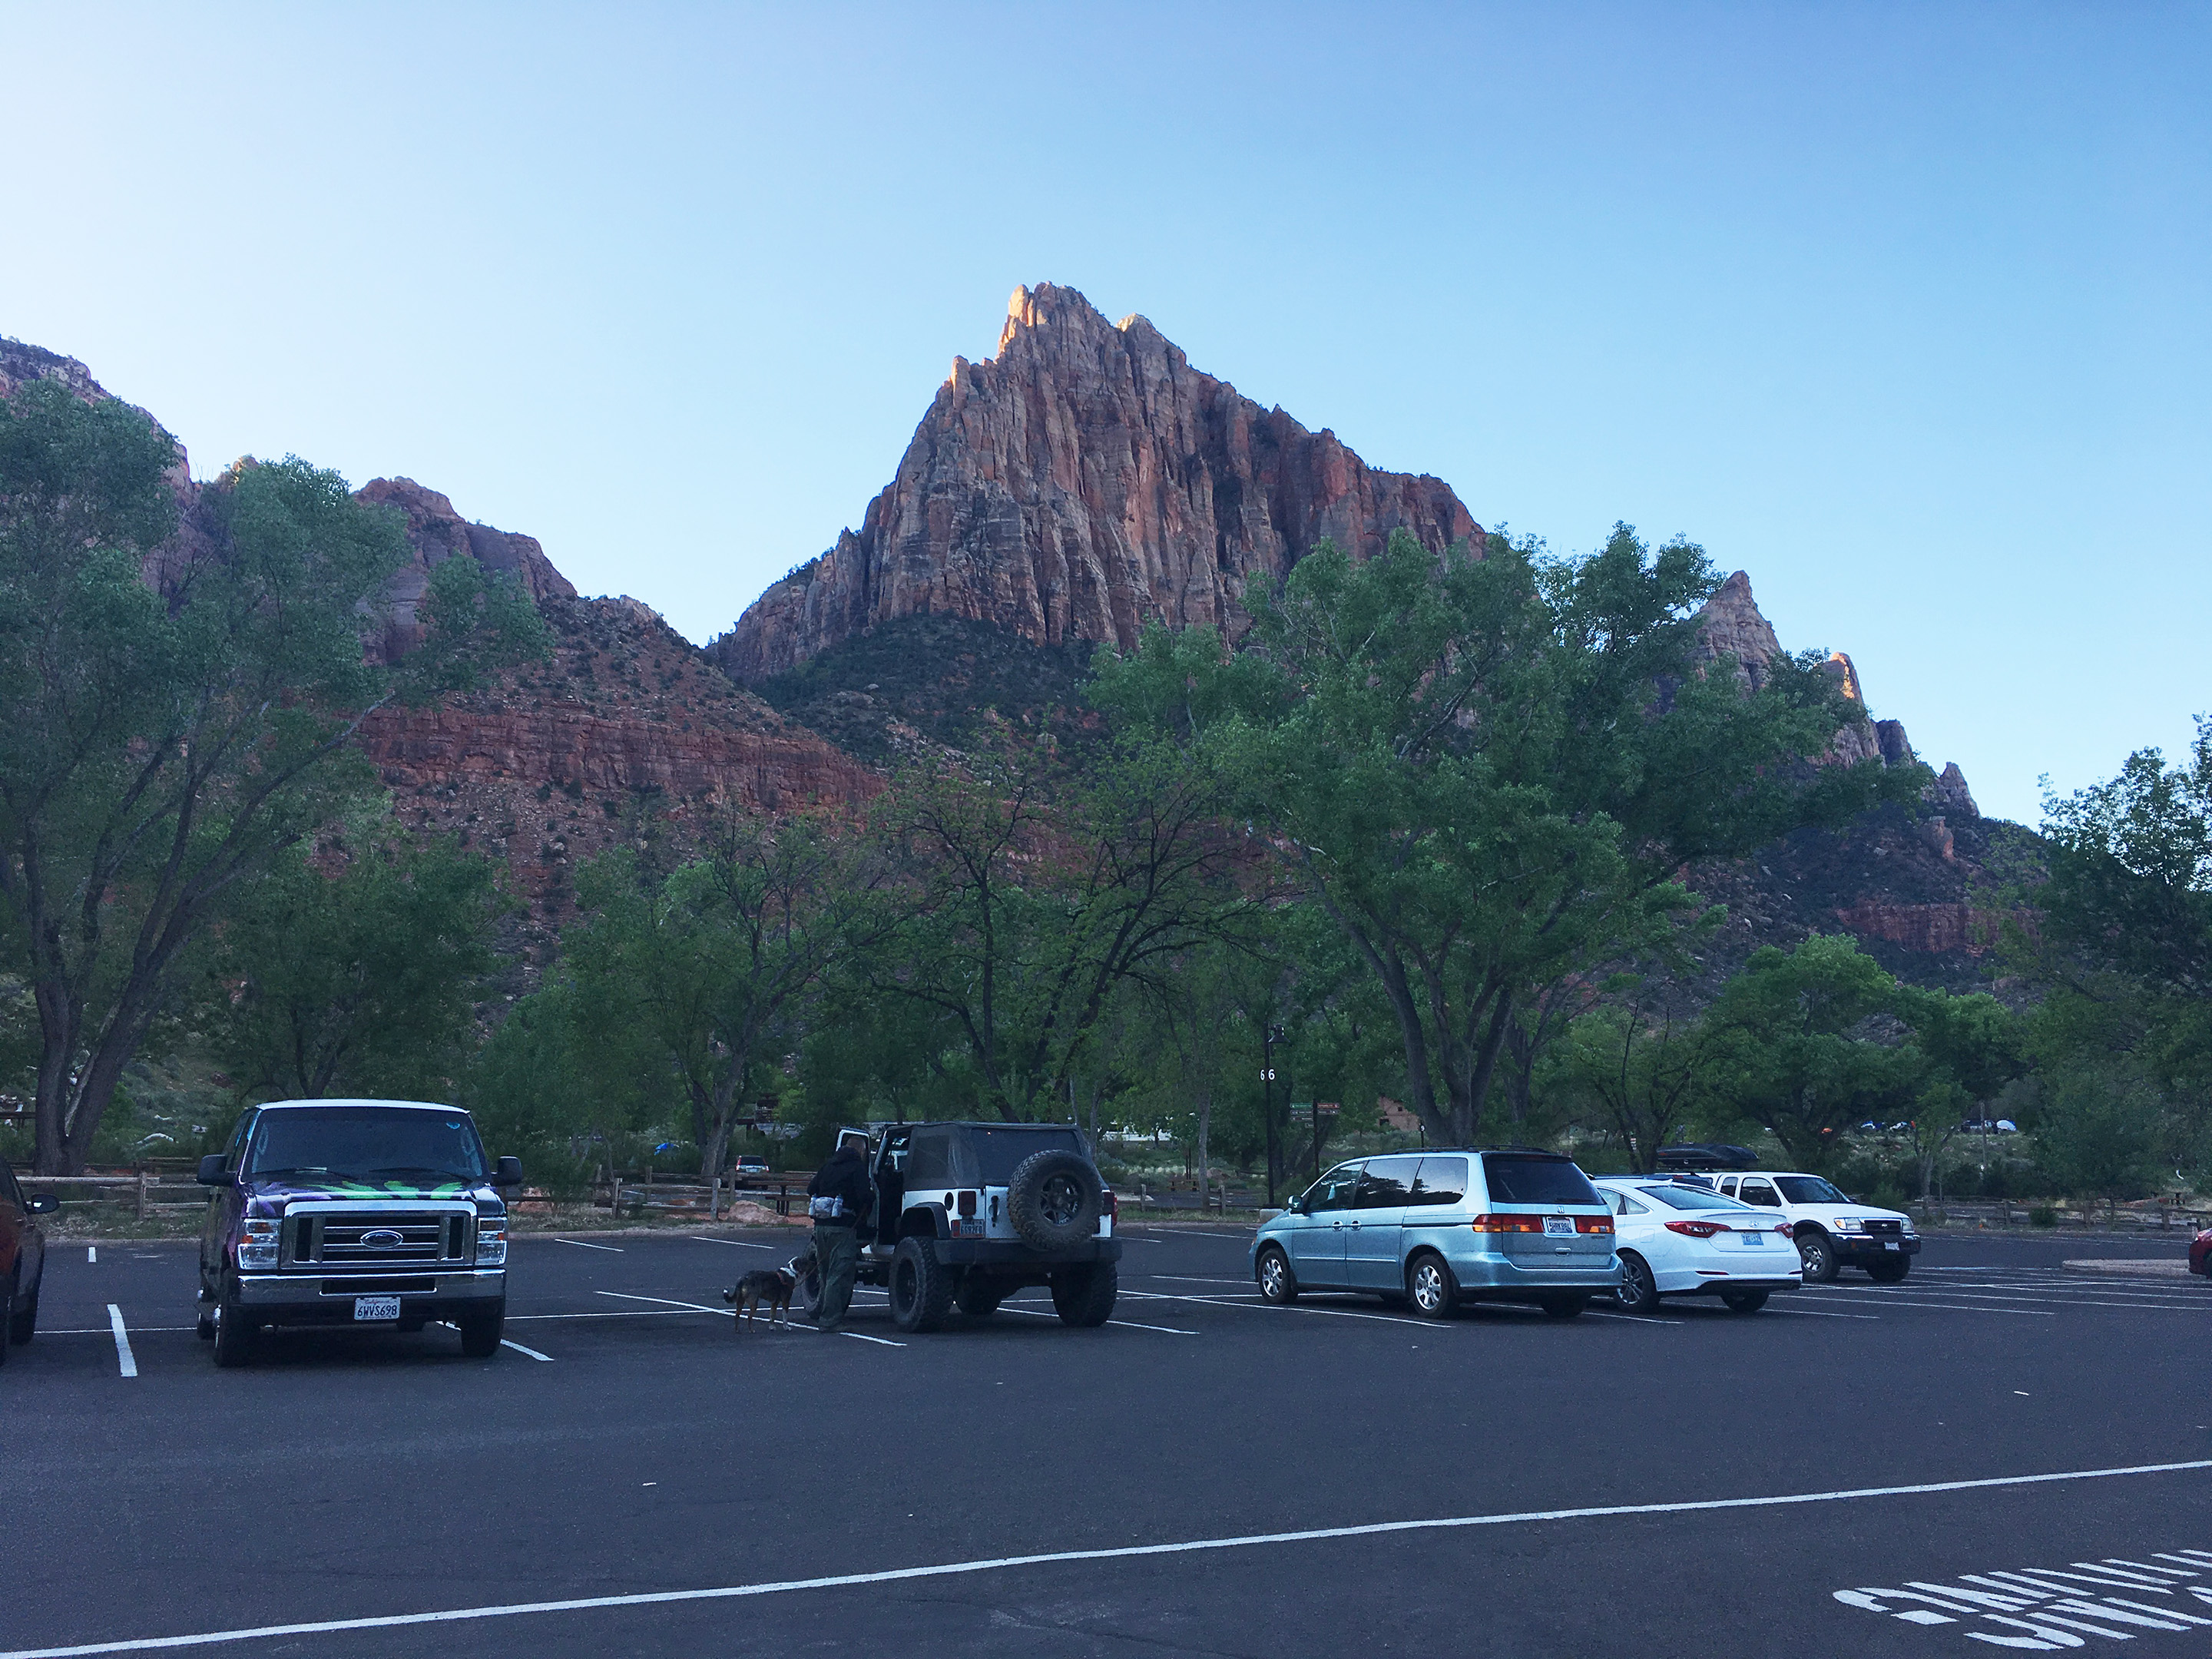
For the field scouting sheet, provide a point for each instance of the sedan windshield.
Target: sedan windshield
(357, 1143)
(1691, 1198)
(1808, 1189)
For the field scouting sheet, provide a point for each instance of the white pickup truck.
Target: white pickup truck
(1831, 1233)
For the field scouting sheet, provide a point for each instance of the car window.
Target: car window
(1527, 1178)
(1441, 1180)
(1387, 1183)
(236, 1150)
(1808, 1189)
(1624, 1204)
(1728, 1186)
(1759, 1193)
(365, 1143)
(1333, 1190)
(1691, 1198)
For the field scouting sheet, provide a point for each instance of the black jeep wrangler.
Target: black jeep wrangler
(965, 1214)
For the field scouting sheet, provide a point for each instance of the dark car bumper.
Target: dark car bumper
(1863, 1252)
(315, 1299)
(1006, 1253)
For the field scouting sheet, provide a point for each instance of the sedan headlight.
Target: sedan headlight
(491, 1241)
(257, 1245)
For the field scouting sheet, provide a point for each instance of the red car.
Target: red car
(2200, 1247)
(22, 1259)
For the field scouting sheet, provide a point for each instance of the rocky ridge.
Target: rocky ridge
(1083, 482)
(626, 735)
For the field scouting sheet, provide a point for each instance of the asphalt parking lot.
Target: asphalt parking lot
(1205, 1475)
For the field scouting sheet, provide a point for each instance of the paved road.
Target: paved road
(654, 1449)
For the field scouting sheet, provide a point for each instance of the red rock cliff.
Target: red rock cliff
(1082, 483)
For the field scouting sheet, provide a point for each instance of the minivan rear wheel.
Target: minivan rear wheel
(1431, 1286)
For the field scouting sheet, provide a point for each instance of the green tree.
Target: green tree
(161, 748)
(1969, 1047)
(565, 1079)
(713, 961)
(2122, 941)
(1489, 768)
(1648, 1067)
(1034, 891)
(1799, 1056)
(358, 981)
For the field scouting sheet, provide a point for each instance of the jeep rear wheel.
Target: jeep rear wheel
(921, 1291)
(1085, 1296)
(1053, 1199)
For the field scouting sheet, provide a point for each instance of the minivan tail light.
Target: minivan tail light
(1698, 1229)
(1593, 1223)
(1508, 1224)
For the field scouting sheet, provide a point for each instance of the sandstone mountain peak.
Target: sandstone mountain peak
(1084, 482)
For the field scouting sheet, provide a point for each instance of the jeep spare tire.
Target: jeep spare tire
(1053, 1200)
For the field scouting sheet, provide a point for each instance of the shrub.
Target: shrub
(2043, 1215)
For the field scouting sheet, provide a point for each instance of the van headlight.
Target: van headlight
(491, 1242)
(257, 1245)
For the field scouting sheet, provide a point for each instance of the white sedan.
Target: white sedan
(1674, 1239)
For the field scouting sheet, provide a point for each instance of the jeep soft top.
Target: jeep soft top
(968, 1212)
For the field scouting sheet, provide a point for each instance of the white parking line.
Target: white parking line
(1256, 1304)
(123, 1360)
(1811, 1313)
(532, 1352)
(726, 1313)
(1640, 1319)
(742, 1244)
(1055, 1557)
(1127, 1324)
(1185, 1278)
(92, 1252)
(580, 1245)
(1955, 1306)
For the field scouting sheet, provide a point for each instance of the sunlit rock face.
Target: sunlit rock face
(1085, 481)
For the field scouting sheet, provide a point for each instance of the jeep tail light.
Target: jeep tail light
(1508, 1224)
(1698, 1229)
(968, 1203)
(1110, 1206)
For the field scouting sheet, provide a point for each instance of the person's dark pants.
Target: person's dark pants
(837, 1257)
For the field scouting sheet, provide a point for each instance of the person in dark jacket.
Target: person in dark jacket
(838, 1199)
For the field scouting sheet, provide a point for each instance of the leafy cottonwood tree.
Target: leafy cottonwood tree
(1798, 1057)
(1465, 760)
(360, 981)
(160, 748)
(1034, 891)
(1969, 1047)
(1647, 1064)
(712, 961)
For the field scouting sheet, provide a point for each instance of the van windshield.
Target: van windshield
(362, 1142)
(1523, 1178)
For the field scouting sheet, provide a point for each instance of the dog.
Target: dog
(770, 1285)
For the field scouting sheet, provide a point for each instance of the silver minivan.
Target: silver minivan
(1435, 1228)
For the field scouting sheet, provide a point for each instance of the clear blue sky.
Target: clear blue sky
(1906, 309)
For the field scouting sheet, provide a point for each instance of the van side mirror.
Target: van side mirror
(212, 1173)
(1295, 1206)
(42, 1204)
(508, 1173)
